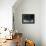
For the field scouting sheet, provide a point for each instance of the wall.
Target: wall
(6, 13)
(30, 31)
(6, 18)
(43, 22)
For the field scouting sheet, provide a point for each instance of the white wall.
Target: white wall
(43, 22)
(6, 13)
(6, 18)
(31, 31)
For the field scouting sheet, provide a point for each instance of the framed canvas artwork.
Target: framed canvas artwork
(28, 18)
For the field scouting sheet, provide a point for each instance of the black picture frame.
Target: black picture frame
(28, 18)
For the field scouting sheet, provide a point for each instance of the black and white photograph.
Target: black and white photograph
(28, 18)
